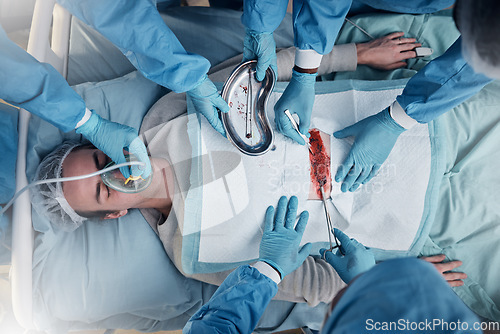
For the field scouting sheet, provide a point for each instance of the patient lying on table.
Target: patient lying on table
(232, 187)
(163, 203)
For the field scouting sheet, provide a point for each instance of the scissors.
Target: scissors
(330, 227)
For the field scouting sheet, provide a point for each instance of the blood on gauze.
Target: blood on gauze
(320, 163)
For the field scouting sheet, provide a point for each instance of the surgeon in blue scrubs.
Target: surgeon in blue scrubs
(405, 295)
(138, 30)
(464, 69)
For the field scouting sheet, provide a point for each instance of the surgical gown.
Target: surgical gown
(135, 27)
(140, 33)
(443, 84)
(37, 87)
(236, 306)
(407, 292)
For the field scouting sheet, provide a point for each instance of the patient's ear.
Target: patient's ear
(116, 214)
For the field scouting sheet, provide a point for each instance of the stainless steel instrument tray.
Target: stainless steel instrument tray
(246, 123)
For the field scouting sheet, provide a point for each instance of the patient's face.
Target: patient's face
(92, 194)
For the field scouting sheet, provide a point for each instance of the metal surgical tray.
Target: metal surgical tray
(246, 123)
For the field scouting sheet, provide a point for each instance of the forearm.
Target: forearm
(138, 30)
(440, 86)
(317, 23)
(237, 305)
(341, 58)
(263, 15)
(315, 281)
(37, 87)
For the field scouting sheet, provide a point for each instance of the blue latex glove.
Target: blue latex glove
(280, 243)
(375, 138)
(112, 138)
(260, 46)
(357, 258)
(207, 100)
(298, 98)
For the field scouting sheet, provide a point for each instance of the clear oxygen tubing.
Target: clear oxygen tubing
(71, 178)
(361, 29)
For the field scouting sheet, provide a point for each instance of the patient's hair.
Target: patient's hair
(101, 214)
(48, 199)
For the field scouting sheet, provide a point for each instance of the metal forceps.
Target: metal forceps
(330, 227)
(248, 119)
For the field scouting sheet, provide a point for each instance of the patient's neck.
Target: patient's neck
(163, 186)
(160, 193)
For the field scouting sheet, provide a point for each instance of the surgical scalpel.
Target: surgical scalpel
(296, 128)
(329, 226)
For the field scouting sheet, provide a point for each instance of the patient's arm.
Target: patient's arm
(385, 53)
(388, 52)
(314, 282)
(453, 278)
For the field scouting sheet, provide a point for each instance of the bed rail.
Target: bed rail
(47, 17)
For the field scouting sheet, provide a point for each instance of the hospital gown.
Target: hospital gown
(443, 84)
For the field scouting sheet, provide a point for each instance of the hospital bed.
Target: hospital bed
(464, 219)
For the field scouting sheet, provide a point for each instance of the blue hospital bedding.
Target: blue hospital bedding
(467, 223)
(114, 252)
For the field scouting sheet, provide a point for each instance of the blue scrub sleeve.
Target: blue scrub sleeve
(316, 23)
(236, 306)
(138, 30)
(263, 15)
(441, 85)
(37, 87)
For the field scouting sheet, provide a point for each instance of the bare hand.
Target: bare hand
(387, 53)
(453, 278)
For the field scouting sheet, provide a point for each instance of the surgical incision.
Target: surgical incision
(319, 156)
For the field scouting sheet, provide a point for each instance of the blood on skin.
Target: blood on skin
(320, 163)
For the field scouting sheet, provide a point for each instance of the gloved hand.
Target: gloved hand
(357, 258)
(206, 100)
(112, 138)
(260, 46)
(375, 138)
(280, 243)
(298, 98)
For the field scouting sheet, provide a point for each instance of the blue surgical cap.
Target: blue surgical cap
(401, 296)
